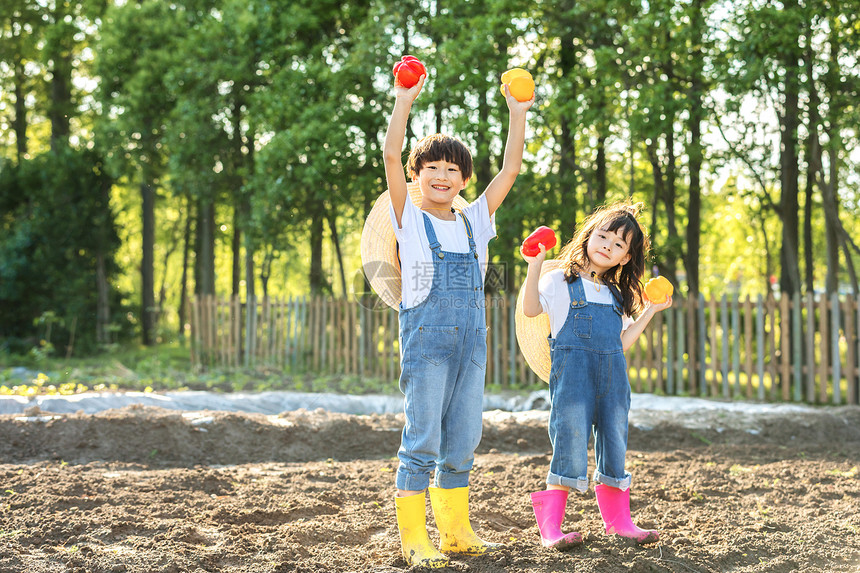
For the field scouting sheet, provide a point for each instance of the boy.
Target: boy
(443, 334)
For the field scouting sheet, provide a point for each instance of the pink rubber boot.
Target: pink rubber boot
(549, 508)
(614, 507)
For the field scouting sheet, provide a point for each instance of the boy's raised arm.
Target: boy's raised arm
(498, 188)
(393, 147)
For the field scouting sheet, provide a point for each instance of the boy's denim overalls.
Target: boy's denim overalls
(443, 354)
(589, 391)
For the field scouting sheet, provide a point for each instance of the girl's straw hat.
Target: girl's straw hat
(379, 258)
(532, 333)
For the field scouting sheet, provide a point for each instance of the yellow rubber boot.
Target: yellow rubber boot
(451, 510)
(414, 541)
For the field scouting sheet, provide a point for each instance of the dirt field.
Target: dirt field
(149, 490)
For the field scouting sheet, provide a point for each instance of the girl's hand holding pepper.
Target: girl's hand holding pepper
(538, 258)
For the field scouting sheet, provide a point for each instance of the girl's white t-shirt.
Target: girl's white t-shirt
(555, 299)
(416, 263)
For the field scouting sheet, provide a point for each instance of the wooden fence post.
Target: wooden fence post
(511, 306)
(788, 346)
(834, 348)
(850, 352)
(702, 357)
(748, 354)
(810, 349)
(715, 357)
(736, 347)
(679, 352)
(824, 333)
(796, 344)
(785, 345)
(760, 342)
(670, 352)
(724, 324)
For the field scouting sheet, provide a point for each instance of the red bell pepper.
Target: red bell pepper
(408, 70)
(543, 235)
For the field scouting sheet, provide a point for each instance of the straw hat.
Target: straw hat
(379, 246)
(532, 333)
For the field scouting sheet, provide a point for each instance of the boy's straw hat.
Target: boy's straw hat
(532, 333)
(379, 259)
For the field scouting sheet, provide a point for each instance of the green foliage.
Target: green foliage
(272, 114)
(57, 223)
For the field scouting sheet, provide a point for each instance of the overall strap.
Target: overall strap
(435, 245)
(617, 299)
(576, 292)
(469, 234)
(616, 295)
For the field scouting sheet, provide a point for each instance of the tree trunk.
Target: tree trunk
(813, 162)
(242, 204)
(61, 97)
(483, 164)
(183, 281)
(335, 238)
(266, 270)
(789, 171)
(831, 217)
(600, 183)
(317, 281)
(147, 264)
(674, 252)
(205, 268)
(694, 197)
(666, 264)
(250, 286)
(659, 182)
(103, 303)
(250, 303)
(20, 122)
(695, 155)
(102, 282)
(60, 107)
(236, 245)
(567, 160)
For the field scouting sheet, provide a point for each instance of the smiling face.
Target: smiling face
(441, 165)
(607, 249)
(440, 181)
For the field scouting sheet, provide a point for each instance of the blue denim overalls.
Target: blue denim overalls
(443, 355)
(589, 391)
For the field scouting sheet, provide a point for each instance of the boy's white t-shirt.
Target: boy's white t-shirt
(555, 299)
(416, 263)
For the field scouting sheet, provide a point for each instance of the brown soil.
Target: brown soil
(145, 490)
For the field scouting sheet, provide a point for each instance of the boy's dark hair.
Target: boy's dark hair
(621, 218)
(440, 147)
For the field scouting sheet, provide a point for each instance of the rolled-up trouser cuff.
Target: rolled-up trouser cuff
(451, 480)
(412, 482)
(579, 484)
(622, 484)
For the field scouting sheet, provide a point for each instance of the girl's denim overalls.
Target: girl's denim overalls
(589, 392)
(443, 355)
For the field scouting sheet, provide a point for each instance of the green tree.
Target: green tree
(136, 52)
(57, 250)
(20, 31)
(322, 115)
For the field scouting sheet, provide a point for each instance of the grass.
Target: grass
(165, 367)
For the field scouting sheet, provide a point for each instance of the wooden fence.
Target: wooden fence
(775, 349)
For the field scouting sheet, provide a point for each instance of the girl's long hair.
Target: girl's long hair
(622, 218)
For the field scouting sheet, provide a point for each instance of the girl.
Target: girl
(590, 299)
